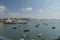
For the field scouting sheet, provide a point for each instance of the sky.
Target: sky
(37, 9)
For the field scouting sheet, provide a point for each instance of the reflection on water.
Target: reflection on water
(37, 30)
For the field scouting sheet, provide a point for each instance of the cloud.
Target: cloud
(2, 8)
(19, 15)
(41, 10)
(3, 11)
(27, 9)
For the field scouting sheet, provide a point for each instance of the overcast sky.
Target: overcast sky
(39, 9)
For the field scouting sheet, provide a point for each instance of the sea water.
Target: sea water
(44, 27)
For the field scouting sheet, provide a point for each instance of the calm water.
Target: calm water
(7, 30)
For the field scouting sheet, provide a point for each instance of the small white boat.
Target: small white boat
(40, 35)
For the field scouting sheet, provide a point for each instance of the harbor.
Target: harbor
(14, 20)
(29, 19)
(33, 30)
